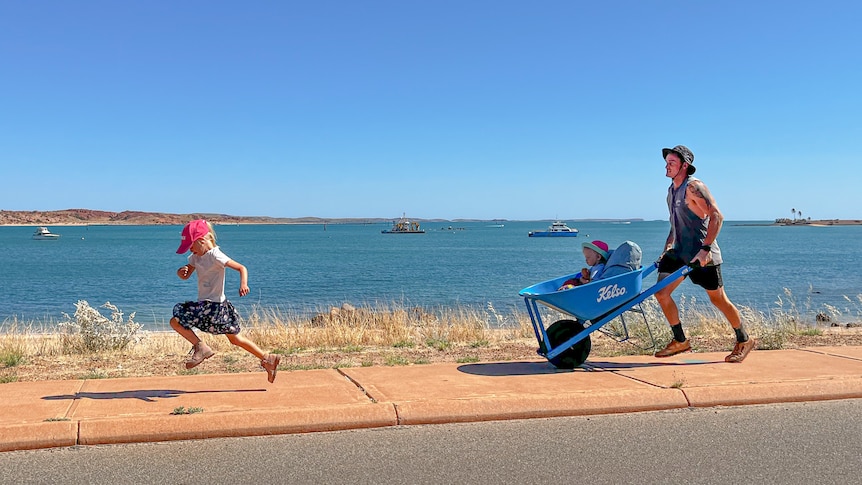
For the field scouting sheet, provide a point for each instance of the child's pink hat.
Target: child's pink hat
(600, 247)
(193, 231)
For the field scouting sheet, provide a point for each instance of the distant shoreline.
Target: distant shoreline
(809, 223)
(88, 217)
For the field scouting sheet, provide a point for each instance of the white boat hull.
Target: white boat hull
(43, 234)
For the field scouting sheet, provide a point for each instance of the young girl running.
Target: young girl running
(212, 312)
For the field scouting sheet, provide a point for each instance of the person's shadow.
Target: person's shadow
(148, 395)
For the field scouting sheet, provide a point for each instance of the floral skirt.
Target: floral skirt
(209, 316)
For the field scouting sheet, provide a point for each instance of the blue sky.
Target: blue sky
(440, 109)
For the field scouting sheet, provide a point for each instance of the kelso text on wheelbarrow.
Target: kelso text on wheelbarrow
(610, 291)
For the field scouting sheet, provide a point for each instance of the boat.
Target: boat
(556, 229)
(43, 234)
(404, 226)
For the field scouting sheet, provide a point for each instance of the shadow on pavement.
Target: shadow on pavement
(148, 395)
(500, 369)
(640, 365)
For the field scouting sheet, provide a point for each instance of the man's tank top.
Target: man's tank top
(689, 230)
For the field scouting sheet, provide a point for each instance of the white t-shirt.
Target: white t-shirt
(210, 270)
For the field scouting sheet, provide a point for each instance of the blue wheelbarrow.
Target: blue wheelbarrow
(566, 343)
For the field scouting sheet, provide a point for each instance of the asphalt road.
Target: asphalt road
(816, 442)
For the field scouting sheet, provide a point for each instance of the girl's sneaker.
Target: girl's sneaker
(270, 364)
(198, 354)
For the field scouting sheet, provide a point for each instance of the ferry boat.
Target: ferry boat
(43, 234)
(556, 229)
(404, 226)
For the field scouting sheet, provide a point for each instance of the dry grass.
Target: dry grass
(350, 337)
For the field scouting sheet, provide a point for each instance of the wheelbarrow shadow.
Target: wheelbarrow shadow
(501, 369)
(147, 395)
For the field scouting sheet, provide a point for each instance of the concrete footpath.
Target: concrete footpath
(88, 412)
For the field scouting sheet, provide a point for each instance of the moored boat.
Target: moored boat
(43, 234)
(556, 229)
(404, 226)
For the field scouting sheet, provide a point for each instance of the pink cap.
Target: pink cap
(600, 247)
(193, 231)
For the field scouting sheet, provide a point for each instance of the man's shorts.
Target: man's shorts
(707, 277)
(209, 316)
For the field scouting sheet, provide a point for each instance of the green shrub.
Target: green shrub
(11, 357)
(184, 410)
(9, 378)
(438, 344)
(95, 374)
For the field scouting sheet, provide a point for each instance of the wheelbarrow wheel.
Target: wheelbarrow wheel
(563, 330)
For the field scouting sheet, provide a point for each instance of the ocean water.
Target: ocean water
(309, 268)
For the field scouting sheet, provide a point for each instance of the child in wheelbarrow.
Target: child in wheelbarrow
(596, 255)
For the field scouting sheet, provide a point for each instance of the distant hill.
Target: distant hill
(134, 218)
(69, 217)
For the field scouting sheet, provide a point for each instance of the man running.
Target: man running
(695, 222)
